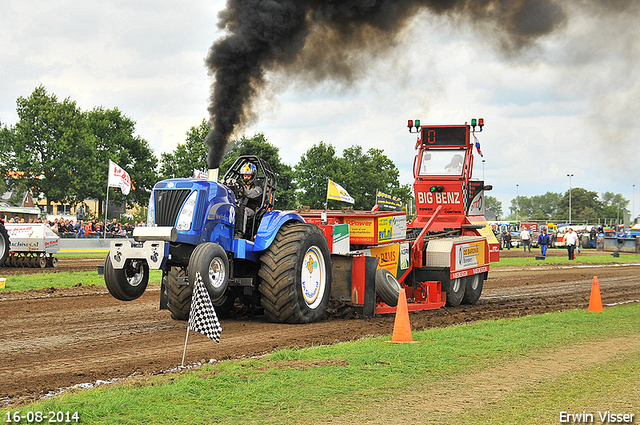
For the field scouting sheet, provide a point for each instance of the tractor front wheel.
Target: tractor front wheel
(129, 282)
(296, 275)
(211, 260)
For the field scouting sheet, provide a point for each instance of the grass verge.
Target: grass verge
(580, 259)
(366, 380)
(23, 282)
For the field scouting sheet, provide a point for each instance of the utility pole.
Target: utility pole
(517, 202)
(569, 175)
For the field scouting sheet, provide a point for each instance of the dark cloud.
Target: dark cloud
(336, 39)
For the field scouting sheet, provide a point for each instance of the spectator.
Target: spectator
(127, 228)
(507, 240)
(571, 241)
(116, 229)
(88, 229)
(111, 226)
(79, 229)
(525, 236)
(544, 240)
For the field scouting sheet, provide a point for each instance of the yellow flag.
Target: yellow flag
(337, 193)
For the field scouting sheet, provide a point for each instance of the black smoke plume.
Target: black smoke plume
(320, 38)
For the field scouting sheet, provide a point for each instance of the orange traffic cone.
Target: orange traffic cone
(595, 303)
(401, 326)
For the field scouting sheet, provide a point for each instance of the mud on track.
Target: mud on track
(53, 339)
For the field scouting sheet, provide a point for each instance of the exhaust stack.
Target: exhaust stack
(213, 174)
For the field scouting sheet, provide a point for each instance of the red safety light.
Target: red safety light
(410, 124)
(477, 123)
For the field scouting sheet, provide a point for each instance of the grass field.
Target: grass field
(521, 371)
(24, 282)
(69, 279)
(592, 258)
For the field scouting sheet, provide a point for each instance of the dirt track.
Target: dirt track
(53, 339)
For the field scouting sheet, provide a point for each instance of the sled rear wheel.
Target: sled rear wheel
(455, 292)
(387, 287)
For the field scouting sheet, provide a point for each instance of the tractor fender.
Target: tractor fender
(271, 222)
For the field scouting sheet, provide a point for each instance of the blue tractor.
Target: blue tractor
(280, 265)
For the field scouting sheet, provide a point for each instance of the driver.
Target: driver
(455, 166)
(249, 198)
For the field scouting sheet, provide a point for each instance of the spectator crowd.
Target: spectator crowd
(66, 228)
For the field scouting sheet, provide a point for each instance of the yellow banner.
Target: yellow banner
(337, 193)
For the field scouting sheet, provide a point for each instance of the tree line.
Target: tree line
(61, 153)
(586, 207)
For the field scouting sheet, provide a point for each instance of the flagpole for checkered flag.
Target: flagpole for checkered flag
(184, 353)
(202, 317)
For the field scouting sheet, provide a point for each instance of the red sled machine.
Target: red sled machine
(441, 257)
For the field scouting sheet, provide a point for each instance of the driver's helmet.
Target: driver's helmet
(249, 172)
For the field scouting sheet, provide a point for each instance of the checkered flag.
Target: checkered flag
(202, 317)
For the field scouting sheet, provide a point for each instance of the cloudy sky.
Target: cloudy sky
(567, 104)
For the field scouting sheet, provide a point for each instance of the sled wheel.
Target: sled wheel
(42, 261)
(4, 244)
(455, 293)
(387, 287)
(128, 283)
(296, 275)
(178, 296)
(211, 261)
(52, 261)
(473, 288)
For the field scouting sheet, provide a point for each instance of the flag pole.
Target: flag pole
(323, 215)
(106, 207)
(184, 352)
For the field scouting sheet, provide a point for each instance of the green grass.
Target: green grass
(344, 382)
(580, 259)
(23, 282)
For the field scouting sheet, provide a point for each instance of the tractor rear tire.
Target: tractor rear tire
(129, 282)
(387, 287)
(456, 291)
(4, 245)
(473, 288)
(211, 260)
(296, 275)
(178, 296)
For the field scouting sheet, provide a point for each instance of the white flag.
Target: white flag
(338, 193)
(119, 178)
(202, 317)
